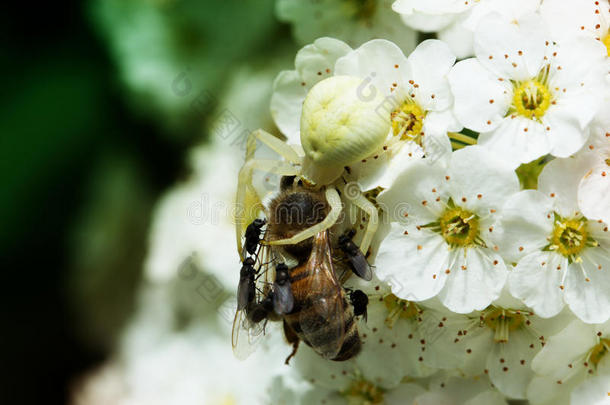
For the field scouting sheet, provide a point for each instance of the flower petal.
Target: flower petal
(379, 62)
(560, 178)
(480, 99)
(526, 222)
(411, 197)
(536, 281)
(474, 281)
(286, 103)
(589, 299)
(594, 192)
(413, 263)
(428, 66)
(513, 51)
(509, 363)
(487, 186)
(517, 139)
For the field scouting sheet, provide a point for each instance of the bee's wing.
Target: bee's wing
(361, 266)
(323, 319)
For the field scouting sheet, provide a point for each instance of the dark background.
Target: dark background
(62, 118)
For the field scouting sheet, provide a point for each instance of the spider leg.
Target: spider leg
(369, 208)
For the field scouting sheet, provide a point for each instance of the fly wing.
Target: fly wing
(322, 319)
(360, 266)
(245, 335)
(283, 301)
(245, 293)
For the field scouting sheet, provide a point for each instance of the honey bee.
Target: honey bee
(308, 298)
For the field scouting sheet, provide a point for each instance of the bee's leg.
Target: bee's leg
(247, 199)
(292, 338)
(365, 205)
(334, 201)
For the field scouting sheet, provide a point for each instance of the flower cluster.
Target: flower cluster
(494, 259)
(488, 177)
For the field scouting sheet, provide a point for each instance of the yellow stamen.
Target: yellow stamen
(531, 98)
(502, 321)
(398, 308)
(361, 391)
(569, 236)
(459, 227)
(408, 121)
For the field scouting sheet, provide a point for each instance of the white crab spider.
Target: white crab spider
(339, 126)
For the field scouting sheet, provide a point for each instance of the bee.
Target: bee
(308, 297)
(358, 262)
(321, 316)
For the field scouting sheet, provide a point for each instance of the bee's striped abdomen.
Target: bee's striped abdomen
(324, 329)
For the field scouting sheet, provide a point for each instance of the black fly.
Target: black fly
(253, 235)
(357, 261)
(283, 301)
(359, 301)
(246, 289)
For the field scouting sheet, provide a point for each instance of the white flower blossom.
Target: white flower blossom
(353, 21)
(313, 63)
(455, 21)
(414, 90)
(441, 220)
(560, 255)
(532, 96)
(594, 187)
(595, 391)
(573, 356)
(195, 220)
(499, 342)
(587, 18)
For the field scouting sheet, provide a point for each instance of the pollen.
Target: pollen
(408, 121)
(459, 227)
(569, 237)
(531, 98)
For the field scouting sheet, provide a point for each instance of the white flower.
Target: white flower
(353, 21)
(577, 354)
(291, 389)
(313, 63)
(439, 241)
(526, 95)
(195, 220)
(448, 389)
(595, 391)
(560, 255)
(587, 18)
(594, 187)
(500, 342)
(456, 20)
(414, 90)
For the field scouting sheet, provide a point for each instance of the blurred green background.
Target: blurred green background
(96, 121)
